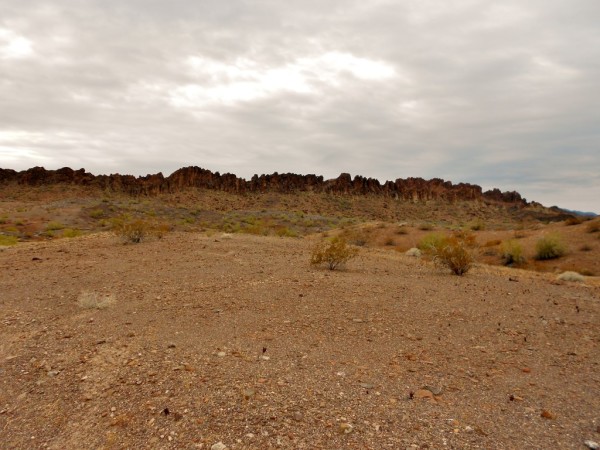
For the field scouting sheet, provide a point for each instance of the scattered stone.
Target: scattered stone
(171, 345)
(423, 393)
(357, 320)
(571, 276)
(345, 428)
(434, 390)
(298, 416)
(248, 393)
(367, 385)
(546, 414)
(413, 252)
(218, 446)
(265, 357)
(526, 370)
(221, 354)
(592, 445)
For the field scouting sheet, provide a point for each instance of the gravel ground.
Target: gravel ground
(191, 341)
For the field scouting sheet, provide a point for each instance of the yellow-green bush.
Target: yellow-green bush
(333, 252)
(8, 240)
(512, 252)
(549, 247)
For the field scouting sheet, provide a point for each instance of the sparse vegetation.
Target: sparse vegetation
(6, 240)
(54, 226)
(71, 232)
(477, 225)
(425, 227)
(549, 247)
(512, 252)
(454, 254)
(131, 231)
(334, 253)
(431, 242)
(593, 226)
(574, 220)
(97, 213)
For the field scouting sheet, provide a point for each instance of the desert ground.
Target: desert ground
(207, 340)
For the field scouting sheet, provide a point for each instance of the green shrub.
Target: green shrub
(512, 252)
(549, 247)
(334, 253)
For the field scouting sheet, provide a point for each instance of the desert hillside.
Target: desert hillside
(191, 340)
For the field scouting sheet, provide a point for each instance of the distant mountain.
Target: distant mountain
(579, 213)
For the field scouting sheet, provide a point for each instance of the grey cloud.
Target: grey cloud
(497, 93)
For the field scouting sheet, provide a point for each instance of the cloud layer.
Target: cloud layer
(503, 94)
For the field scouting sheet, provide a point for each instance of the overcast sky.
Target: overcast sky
(500, 93)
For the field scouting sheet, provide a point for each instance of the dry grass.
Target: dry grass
(571, 276)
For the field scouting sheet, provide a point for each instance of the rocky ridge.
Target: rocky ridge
(409, 189)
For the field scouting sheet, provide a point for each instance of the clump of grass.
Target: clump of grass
(492, 243)
(97, 213)
(283, 231)
(390, 242)
(334, 253)
(54, 226)
(477, 225)
(571, 276)
(512, 252)
(6, 240)
(71, 232)
(425, 227)
(549, 247)
(95, 300)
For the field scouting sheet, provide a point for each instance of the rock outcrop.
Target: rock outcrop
(408, 189)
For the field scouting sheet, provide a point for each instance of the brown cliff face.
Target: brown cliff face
(408, 189)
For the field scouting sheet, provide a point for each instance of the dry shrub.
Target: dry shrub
(95, 300)
(477, 225)
(512, 252)
(549, 247)
(570, 221)
(593, 226)
(455, 254)
(334, 253)
(136, 231)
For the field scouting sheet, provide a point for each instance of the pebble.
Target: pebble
(221, 354)
(367, 385)
(592, 445)
(345, 428)
(218, 446)
(546, 414)
(298, 416)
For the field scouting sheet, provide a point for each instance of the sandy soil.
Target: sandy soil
(192, 340)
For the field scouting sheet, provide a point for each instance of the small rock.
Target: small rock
(434, 390)
(171, 345)
(526, 370)
(298, 416)
(218, 446)
(265, 358)
(345, 428)
(413, 252)
(248, 393)
(357, 320)
(592, 445)
(367, 385)
(546, 414)
(221, 354)
(423, 393)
